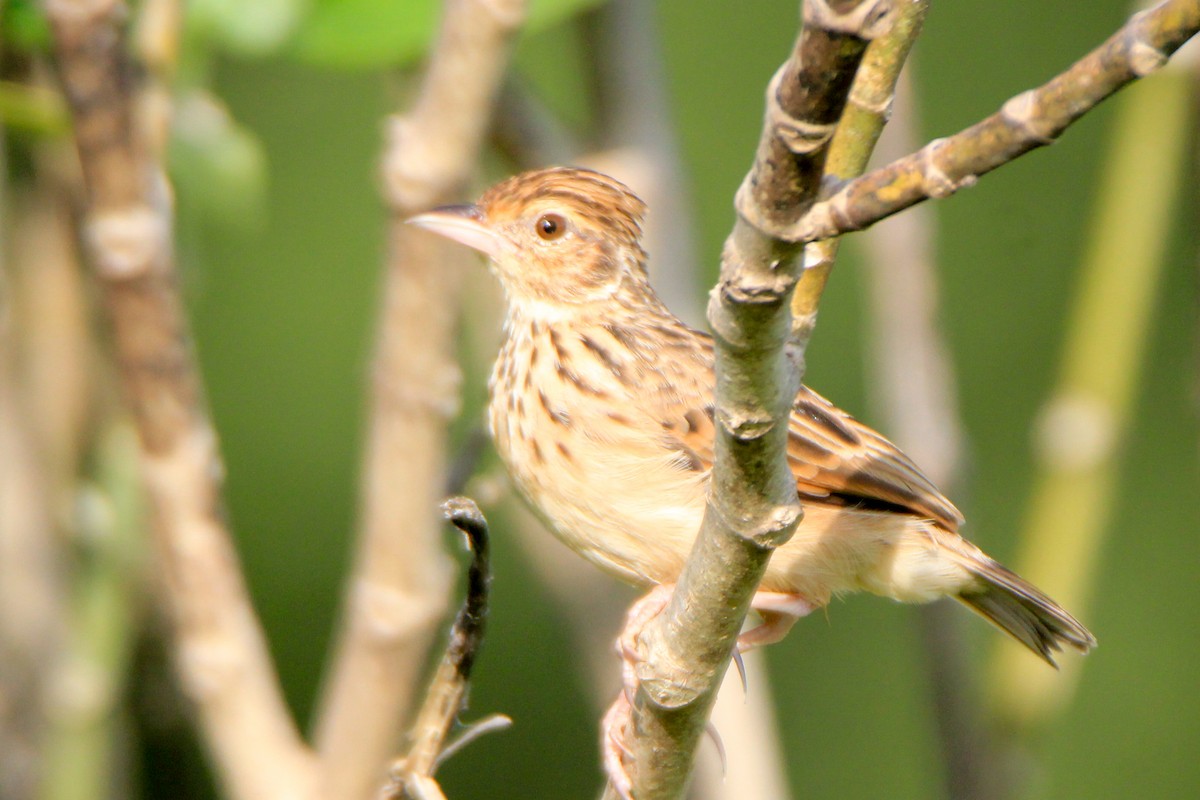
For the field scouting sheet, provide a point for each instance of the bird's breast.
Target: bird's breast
(570, 419)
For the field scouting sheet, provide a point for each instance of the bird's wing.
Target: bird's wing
(835, 458)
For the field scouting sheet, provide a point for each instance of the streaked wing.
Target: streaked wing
(834, 455)
(835, 459)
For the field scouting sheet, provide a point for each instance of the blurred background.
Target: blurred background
(280, 237)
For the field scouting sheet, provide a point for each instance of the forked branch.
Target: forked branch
(1032, 119)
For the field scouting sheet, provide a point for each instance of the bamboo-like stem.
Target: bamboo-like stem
(914, 392)
(221, 653)
(397, 594)
(867, 112)
(1089, 412)
(1032, 119)
(752, 506)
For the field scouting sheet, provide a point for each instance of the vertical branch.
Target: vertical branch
(752, 505)
(633, 108)
(1089, 412)
(867, 112)
(399, 588)
(221, 653)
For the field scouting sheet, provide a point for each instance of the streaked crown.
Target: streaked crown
(571, 235)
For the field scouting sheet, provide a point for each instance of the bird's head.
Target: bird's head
(553, 236)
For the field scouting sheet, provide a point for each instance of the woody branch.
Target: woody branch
(397, 595)
(1032, 119)
(221, 654)
(752, 505)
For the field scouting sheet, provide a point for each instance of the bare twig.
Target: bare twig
(401, 579)
(222, 656)
(412, 775)
(1030, 120)
(752, 505)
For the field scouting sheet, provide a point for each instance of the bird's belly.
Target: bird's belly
(628, 507)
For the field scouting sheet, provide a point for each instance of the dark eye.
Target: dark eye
(550, 227)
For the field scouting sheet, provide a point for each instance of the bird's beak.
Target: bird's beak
(463, 224)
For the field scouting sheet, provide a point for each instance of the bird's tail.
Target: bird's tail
(1018, 608)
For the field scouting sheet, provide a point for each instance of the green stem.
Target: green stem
(1088, 413)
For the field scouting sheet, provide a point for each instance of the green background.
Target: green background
(283, 309)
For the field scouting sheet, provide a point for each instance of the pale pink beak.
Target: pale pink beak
(463, 224)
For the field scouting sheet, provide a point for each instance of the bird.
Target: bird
(602, 409)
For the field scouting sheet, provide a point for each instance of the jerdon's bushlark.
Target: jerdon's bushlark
(602, 409)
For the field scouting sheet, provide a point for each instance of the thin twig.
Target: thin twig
(1032, 119)
(752, 505)
(412, 775)
(221, 653)
(399, 588)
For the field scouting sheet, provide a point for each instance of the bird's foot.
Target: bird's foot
(779, 612)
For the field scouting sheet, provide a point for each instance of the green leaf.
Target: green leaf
(368, 34)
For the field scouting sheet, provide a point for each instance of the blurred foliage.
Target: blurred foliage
(365, 34)
(289, 98)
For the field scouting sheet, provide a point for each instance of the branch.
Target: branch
(399, 588)
(1030, 120)
(752, 505)
(412, 775)
(867, 112)
(222, 655)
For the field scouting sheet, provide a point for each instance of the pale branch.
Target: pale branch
(412, 775)
(221, 653)
(398, 591)
(914, 393)
(630, 89)
(1032, 119)
(752, 504)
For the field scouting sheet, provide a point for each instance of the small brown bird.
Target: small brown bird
(602, 409)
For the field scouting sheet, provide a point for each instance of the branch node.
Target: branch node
(386, 615)
(126, 242)
(868, 20)
(412, 177)
(1144, 56)
(797, 135)
(1021, 112)
(745, 427)
(937, 182)
(773, 529)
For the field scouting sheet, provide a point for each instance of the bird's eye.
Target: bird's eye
(550, 227)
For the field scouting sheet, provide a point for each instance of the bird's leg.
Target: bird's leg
(779, 612)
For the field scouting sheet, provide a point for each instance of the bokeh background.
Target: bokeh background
(282, 268)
